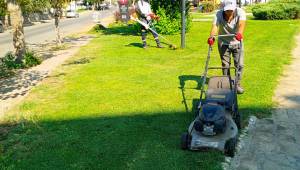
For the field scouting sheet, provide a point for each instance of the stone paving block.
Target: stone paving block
(265, 126)
(289, 148)
(247, 163)
(294, 115)
(285, 124)
(282, 159)
(271, 165)
(287, 138)
(281, 114)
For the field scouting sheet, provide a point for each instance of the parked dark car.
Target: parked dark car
(1, 27)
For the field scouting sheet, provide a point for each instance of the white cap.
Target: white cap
(229, 5)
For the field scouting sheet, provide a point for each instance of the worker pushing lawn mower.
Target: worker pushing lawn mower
(229, 20)
(218, 120)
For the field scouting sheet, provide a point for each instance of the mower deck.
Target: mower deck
(199, 141)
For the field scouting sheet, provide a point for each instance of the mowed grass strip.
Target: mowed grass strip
(117, 106)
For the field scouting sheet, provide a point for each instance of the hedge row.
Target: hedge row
(169, 12)
(277, 10)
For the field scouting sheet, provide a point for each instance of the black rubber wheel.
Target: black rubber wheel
(185, 141)
(230, 147)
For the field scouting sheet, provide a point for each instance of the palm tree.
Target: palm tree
(15, 12)
(58, 6)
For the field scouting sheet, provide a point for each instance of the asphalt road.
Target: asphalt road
(41, 33)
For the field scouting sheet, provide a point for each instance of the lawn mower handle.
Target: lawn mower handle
(204, 75)
(225, 35)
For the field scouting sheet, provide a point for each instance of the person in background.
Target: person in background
(145, 14)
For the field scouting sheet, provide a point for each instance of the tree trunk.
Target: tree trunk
(57, 16)
(7, 21)
(15, 12)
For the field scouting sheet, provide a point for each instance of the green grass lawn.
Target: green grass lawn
(199, 15)
(117, 106)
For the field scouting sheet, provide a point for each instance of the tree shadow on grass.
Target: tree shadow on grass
(140, 141)
(128, 30)
(132, 141)
(140, 45)
(19, 84)
(125, 30)
(47, 49)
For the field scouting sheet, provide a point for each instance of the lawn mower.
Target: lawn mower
(217, 117)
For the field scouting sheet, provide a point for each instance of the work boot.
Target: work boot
(159, 46)
(239, 89)
(144, 46)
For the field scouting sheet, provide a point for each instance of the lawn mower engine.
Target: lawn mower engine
(212, 120)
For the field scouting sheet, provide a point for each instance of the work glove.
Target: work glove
(152, 16)
(148, 18)
(211, 41)
(238, 36)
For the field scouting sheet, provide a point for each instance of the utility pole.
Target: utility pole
(183, 24)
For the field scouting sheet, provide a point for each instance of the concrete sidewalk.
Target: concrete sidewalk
(274, 143)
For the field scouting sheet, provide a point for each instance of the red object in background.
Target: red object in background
(123, 2)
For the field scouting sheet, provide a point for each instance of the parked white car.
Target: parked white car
(72, 14)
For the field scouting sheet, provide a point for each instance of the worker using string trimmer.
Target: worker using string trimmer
(145, 14)
(229, 20)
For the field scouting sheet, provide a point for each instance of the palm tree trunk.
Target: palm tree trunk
(7, 21)
(57, 16)
(15, 12)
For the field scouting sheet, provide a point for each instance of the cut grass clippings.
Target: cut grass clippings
(123, 109)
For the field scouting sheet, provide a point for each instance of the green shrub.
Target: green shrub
(166, 25)
(31, 59)
(3, 9)
(285, 1)
(208, 6)
(172, 7)
(277, 10)
(169, 25)
(7, 64)
(4, 71)
(170, 15)
(8, 61)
